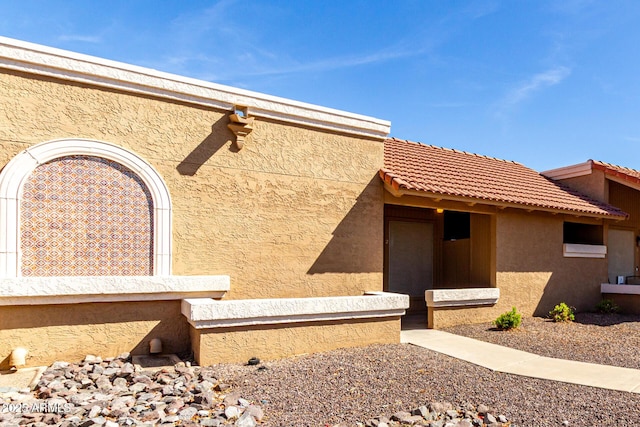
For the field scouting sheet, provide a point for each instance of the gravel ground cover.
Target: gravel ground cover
(608, 339)
(356, 387)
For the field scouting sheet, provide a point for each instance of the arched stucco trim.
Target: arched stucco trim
(15, 173)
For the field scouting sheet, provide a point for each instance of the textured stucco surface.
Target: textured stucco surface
(235, 345)
(62, 290)
(438, 318)
(296, 213)
(593, 185)
(629, 304)
(70, 332)
(206, 313)
(532, 273)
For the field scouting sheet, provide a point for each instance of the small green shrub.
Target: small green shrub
(509, 320)
(562, 313)
(607, 306)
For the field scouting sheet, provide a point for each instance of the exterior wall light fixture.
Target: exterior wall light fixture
(241, 124)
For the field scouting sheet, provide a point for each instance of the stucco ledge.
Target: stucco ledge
(461, 297)
(609, 288)
(85, 289)
(206, 313)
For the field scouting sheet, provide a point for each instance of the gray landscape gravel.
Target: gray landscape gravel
(372, 386)
(353, 385)
(608, 339)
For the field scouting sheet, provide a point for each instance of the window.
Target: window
(583, 240)
(582, 234)
(457, 225)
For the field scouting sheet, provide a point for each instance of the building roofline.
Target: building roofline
(572, 171)
(394, 186)
(618, 173)
(444, 174)
(61, 64)
(613, 172)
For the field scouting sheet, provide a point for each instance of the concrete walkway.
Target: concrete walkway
(511, 361)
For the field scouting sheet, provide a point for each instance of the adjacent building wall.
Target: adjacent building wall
(532, 273)
(592, 184)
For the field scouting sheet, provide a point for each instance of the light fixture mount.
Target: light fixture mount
(241, 124)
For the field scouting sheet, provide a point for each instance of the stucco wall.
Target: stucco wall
(532, 272)
(297, 212)
(593, 185)
(275, 341)
(69, 332)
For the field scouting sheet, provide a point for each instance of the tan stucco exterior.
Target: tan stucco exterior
(532, 272)
(524, 259)
(594, 185)
(277, 341)
(297, 212)
(294, 213)
(71, 331)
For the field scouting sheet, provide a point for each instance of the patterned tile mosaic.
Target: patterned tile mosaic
(86, 216)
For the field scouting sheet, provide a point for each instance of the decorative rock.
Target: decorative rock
(255, 411)
(138, 387)
(112, 392)
(120, 383)
(187, 413)
(398, 416)
(171, 419)
(210, 422)
(90, 359)
(222, 387)
(452, 413)
(245, 420)
(482, 409)
(231, 412)
(125, 357)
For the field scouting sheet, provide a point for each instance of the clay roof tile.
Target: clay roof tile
(435, 170)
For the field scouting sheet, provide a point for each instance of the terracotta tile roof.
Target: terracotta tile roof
(442, 171)
(626, 174)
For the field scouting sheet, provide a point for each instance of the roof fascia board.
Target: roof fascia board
(474, 203)
(572, 171)
(32, 58)
(623, 179)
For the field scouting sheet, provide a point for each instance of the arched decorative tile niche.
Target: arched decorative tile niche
(78, 207)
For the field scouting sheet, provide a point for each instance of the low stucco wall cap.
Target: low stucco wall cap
(204, 313)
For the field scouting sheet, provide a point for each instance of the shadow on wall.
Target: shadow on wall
(356, 245)
(573, 289)
(220, 135)
(71, 331)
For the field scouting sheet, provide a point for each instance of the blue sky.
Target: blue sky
(544, 83)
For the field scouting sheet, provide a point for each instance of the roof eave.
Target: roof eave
(572, 171)
(618, 176)
(471, 201)
(65, 65)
